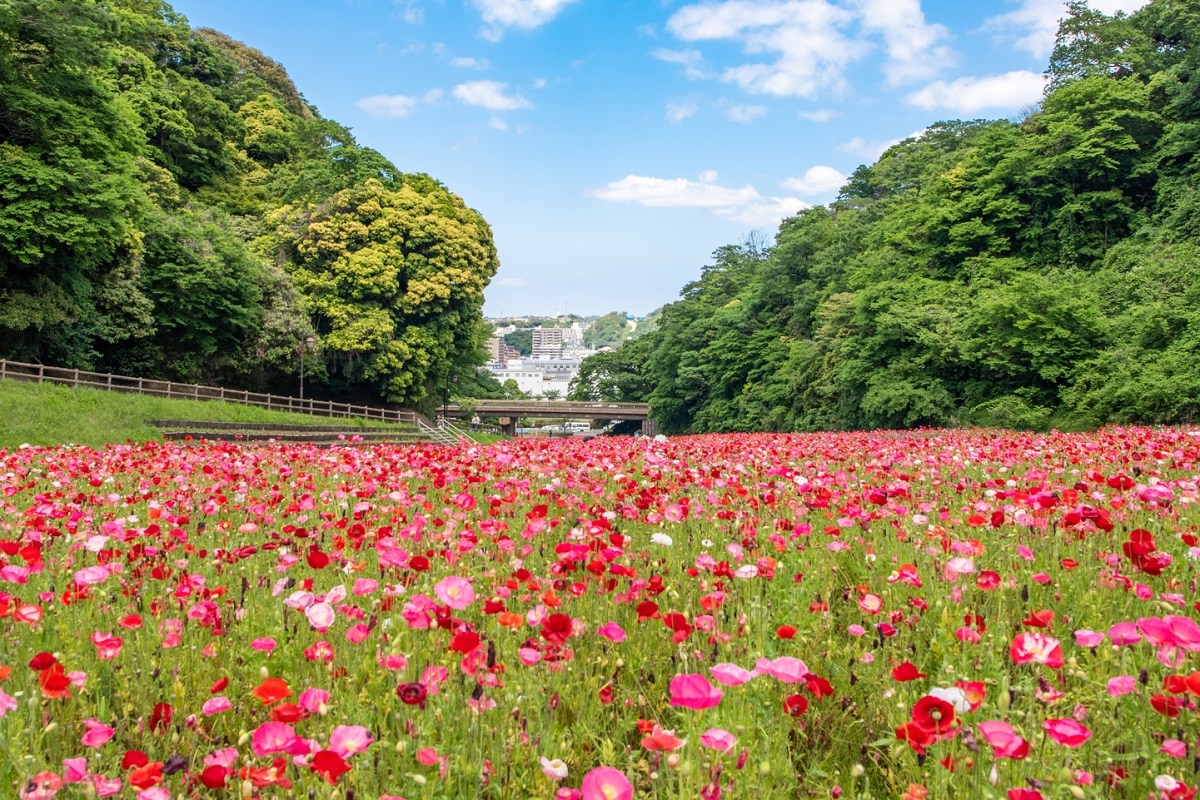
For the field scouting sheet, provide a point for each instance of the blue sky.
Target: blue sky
(613, 145)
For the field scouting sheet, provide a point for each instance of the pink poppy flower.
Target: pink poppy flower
(320, 615)
(554, 768)
(272, 737)
(314, 701)
(225, 757)
(1066, 732)
(1174, 748)
(264, 643)
(693, 691)
(216, 705)
(428, 756)
(358, 633)
(455, 592)
(1003, 739)
(730, 674)
(7, 703)
(106, 787)
(74, 770)
(718, 739)
(606, 783)
(1038, 648)
(1124, 633)
(785, 669)
(97, 733)
(364, 586)
(346, 740)
(612, 631)
(1121, 685)
(1086, 638)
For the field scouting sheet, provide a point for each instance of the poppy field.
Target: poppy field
(861, 615)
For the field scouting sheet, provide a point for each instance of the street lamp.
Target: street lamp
(309, 344)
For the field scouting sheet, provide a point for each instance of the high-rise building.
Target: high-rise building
(547, 343)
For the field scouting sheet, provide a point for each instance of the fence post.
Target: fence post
(41, 372)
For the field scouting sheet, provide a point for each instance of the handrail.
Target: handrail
(40, 373)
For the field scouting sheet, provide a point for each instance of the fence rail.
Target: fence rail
(40, 373)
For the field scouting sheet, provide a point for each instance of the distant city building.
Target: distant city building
(495, 349)
(536, 377)
(547, 343)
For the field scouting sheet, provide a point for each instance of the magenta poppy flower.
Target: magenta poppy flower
(606, 783)
(97, 733)
(693, 691)
(1066, 732)
(612, 631)
(216, 705)
(272, 737)
(1006, 742)
(1124, 633)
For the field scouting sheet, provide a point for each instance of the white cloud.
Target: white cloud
(512, 283)
(501, 14)
(708, 176)
(692, 61)
(745, 114)
(913, 48)
(868, 149)
(810, 52)
(970, 95)
(388, 106)
(491, 95)
(677, 112)
(497, 124)
(743, 205)
(1035, 22)
(820, 115)
(818, 180)
(471, 63)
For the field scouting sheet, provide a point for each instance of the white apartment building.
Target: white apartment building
(536, 377)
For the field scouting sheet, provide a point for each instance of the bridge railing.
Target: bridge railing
(40, 373)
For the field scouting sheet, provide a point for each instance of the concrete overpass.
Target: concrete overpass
(508, 411)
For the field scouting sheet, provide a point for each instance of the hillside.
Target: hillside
(172, 207)
(1032, 273)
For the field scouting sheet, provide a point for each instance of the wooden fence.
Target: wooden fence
(39, 373)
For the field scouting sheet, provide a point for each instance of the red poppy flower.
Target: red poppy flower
(42, 661)
(464, 641)
(54, 682)
(160, 718)
(795, 704)
(916, 736)
(786, 631)
(906, 671)
(214, 777)
(934, 714)
(412, 694)
(134, 758)
(288, 713)
(1039, 619)
(817, 686)
(1166, 705)
(147, 775)
(271, 690)
(329, 765)
(556, 628)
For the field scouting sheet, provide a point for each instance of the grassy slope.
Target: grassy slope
(49, 414)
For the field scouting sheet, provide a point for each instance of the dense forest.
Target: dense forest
(1030, 273)
(171, 206)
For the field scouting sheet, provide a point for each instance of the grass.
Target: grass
(51, 414)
